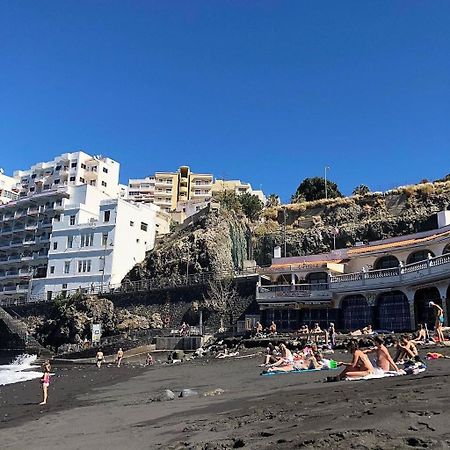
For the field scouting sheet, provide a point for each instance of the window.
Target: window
(72, 179)
(84, 265)
(31, 189)
(64, 286)
(46, 186)
(131, 223)
(106, 216)
(137, 241)
(33, 176)
(92, 182)
(58, 168)
(83, 166)
(57, 181)
(198, 192)
(69, 241)
(72, 220)
(104, 239)
(144, 226)
(81, 180)
(67, 267)
(74, 164)
(55, 245)
(87, 240)
(52, 269)
(104, 183)
(105, 170)
(169, 190)
(94, 169)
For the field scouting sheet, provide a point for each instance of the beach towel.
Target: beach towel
(279, 372)
(376, 375)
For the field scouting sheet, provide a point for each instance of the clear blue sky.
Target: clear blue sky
(265, 91)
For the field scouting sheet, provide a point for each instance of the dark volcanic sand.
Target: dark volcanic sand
(110, 409)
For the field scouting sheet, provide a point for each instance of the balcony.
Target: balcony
(283, 293)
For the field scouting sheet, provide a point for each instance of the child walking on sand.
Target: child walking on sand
(45, 380)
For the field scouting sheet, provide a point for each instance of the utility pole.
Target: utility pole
(326, 190)
(284, 230)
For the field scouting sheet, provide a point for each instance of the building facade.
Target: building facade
(70, 169)
(183, 193)
(8, 188)
(387, 283)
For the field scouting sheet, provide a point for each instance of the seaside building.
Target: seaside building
(70, 169)
(64, 226)
(8, 188)
(387, 283)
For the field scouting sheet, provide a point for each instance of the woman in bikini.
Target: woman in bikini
(360, 365)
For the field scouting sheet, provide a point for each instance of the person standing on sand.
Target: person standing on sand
(45, 380)
(119, 357)
(99, 357)
(439, 314)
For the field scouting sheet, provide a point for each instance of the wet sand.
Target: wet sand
(111, 409)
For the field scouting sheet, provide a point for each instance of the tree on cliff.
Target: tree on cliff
(251, 205)
(362, 189)
(272, 201)
(248, 204)
(314, 189)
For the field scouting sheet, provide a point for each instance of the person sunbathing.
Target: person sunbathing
(384, 359)
(421, 335)
(367, 330)
(285, 361)
(272, 355)
(273, 328)
(360, 365)
(406, 349)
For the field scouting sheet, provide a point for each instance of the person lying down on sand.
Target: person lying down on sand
(285, 362)
(360, 365)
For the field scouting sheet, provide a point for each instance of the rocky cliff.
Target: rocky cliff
(215, 242)
(310, 226)
(222, 241)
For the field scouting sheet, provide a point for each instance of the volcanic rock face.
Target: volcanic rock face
(217, 242)
(311, 226)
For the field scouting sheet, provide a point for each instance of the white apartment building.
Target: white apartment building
(96, 242)
(70, 169)
(8, 188)
(74, 197)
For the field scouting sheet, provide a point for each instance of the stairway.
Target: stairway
(18, 328)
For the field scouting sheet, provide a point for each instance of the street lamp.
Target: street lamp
(326, 190)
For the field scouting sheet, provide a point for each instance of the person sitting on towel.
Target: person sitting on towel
(421, 335)
(406, 349)
(360, 365)
(384, 359)
(285, 362)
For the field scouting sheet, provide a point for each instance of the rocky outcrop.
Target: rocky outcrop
(216, 242)
(311, 225)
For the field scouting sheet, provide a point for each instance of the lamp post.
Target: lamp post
(326, 190)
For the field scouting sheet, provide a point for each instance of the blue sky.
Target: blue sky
(266, 91)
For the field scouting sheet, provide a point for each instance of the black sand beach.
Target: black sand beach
(111, 408)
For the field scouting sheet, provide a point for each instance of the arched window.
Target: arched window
(424, 313)
(446, 249)
(392, 312)
(386, 262)
(355, 312)
(420, 255)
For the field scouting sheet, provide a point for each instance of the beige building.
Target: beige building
(169, 189)
(183, 193)
(238, 187)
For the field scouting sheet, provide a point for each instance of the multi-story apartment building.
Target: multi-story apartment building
(70, 237)
(238, 187)
(388, 284)
(8, 188)
(95, 243)
(167, 189)
(70, 169)
(183, 192)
